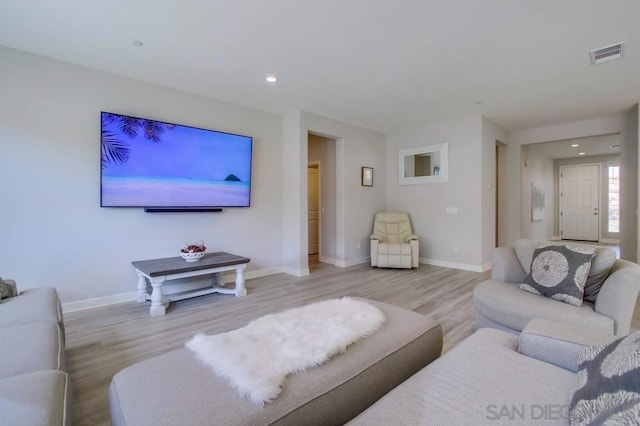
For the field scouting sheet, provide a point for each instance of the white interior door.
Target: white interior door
(314, 209)
(580, 202)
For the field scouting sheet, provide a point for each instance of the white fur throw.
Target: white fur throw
(256, 359)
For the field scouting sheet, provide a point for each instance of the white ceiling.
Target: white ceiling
(382, 64)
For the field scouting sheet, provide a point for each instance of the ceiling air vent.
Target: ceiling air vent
(606, 54)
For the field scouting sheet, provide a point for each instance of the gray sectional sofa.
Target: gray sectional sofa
(520, 366)
(492, 377)
(34, 387)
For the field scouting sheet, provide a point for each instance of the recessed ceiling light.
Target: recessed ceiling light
(137, 43)
(271, 78)
(581, 153)
(574, 145)
(477, 102)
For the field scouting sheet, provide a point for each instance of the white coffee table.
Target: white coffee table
(157, 271)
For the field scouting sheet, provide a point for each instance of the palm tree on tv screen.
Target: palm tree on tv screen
(117, 151)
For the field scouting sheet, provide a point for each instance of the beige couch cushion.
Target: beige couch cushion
(30, 347)
(34, 305)
(394, 227)
(557, 343)
(39, 398)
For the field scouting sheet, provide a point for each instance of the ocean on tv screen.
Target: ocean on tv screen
(149, 163)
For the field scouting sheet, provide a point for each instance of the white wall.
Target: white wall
(637, 120)
(539, 170)
(502, 193)
(355, 204)
(294, 164)
(445, 239)
(629, 185)
(52, 228)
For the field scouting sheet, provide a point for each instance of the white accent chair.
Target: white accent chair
(393, 244)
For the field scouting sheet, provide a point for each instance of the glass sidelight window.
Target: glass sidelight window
(613, 222)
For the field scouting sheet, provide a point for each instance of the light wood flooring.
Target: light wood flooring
(102, 341)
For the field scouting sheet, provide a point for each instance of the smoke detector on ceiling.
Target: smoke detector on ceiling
(608, 53)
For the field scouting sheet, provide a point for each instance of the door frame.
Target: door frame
(599, 186)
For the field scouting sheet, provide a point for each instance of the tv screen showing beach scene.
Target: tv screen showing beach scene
(149, 163)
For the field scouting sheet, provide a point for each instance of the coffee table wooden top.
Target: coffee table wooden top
(176, 265)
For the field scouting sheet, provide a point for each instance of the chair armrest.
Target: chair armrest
(374, 250)
(618, 294)
(505, 266)
(411, 237)
(14, 287)
(376, 237)
(558, 343)
(415, 253)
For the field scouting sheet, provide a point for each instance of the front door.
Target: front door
(580, 202)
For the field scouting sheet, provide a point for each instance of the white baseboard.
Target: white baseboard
(255, 274)
(296, 272)
(328, 260)
(609, 241)
(352, 262)
(456, 265)
(96, 302)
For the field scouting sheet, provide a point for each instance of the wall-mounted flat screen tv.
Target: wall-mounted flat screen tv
(154, 164)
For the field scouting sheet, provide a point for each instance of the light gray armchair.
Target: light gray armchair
(500, 303)
(393, 244)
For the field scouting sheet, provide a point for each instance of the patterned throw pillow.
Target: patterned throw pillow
(608, 384)
(560, 272)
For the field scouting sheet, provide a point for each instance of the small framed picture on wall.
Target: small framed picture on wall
(367, 176)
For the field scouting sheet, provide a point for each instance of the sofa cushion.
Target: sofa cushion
(524, 252)
(558, 343)
(601, 265)
(30, 347)
(560, 272)
(506, 304)
(608, 384)
(39, 398)
(479, 381)
(394, 255)
(394, 248)
(34, 305)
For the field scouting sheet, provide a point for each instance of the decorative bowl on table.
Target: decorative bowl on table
(192, 252)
